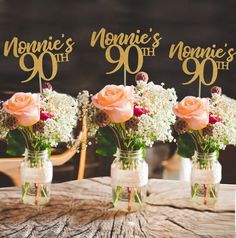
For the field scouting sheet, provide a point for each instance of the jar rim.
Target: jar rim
(129, 153)
(30, 152)
(203, 155)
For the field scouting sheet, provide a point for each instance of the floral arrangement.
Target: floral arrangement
(37, 122)
(125, 120)
(205, 125)
(137, 115)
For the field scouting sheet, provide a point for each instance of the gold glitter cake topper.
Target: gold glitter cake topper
(144, 44)
(195, 61)
(57, 50)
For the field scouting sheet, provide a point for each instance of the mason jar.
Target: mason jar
(36, 177)
(129, 177)
(205, 178)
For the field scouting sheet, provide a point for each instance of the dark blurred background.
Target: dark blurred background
(196, 23)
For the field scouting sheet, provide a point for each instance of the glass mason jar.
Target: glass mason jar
(205, 178)
(36, 177)
(129, 177)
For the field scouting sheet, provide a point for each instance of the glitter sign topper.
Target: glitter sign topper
(57, 50)
(196, 59)
(144, 44)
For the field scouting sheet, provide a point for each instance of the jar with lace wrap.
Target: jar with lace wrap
(205, 178)
(129, 177)
(36, 177)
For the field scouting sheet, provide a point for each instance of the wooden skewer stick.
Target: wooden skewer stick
(83, 149)
(131, 198)
(40, 85)
(199, 89)
(37, 193)
(124, 77)
(206, 194)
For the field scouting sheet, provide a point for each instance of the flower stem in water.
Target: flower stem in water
(131, 198)
(117, 195)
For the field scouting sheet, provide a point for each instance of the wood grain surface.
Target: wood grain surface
(83, 209)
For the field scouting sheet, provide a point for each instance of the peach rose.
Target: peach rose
(116, 102)
(25, 107)
(195, 111)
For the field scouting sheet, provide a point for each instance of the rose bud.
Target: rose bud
(132, 124)
(39, 127)
(45, 115)
(217, 90)
(141, 76)
(1, 104)
(47, 86)
(140, 111)
(11, 122)
(208, 130)
(101, 119)
(214, 119)
(181, 126)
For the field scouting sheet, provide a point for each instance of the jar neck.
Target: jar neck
(131, 155)
(205, 156)
(35, 155)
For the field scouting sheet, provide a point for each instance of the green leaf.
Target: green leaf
(16, 143)
(186, 146)
(105, 151)
(137, 144)
(107, 143)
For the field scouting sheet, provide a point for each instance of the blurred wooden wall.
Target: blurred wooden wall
(197, 23)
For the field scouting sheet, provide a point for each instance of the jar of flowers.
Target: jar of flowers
(125, 120)
(31, 124)
(205, 126)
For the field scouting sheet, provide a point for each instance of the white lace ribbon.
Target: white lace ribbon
(37, 175)
(130, 178)
(206, 176)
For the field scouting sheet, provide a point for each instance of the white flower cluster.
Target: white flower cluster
(88, 110)
(156, 125)
(3, 129)
(64, 109)
(224, 132)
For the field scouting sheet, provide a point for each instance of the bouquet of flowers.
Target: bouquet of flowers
(137, 116)
(33, 123)
(126, 119)
(42, 120)
(205, 126)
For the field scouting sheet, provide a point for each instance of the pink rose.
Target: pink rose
(214, 119)
(140, 111)
(195, 111)
(116, 102)
(45, 115)
(25, 107)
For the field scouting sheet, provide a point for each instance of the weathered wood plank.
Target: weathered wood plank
(83, 209)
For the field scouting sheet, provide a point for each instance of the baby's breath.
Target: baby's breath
(64, 109)
(224, 132)
(154, 126)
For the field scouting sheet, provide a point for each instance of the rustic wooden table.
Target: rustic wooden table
(83, 209)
